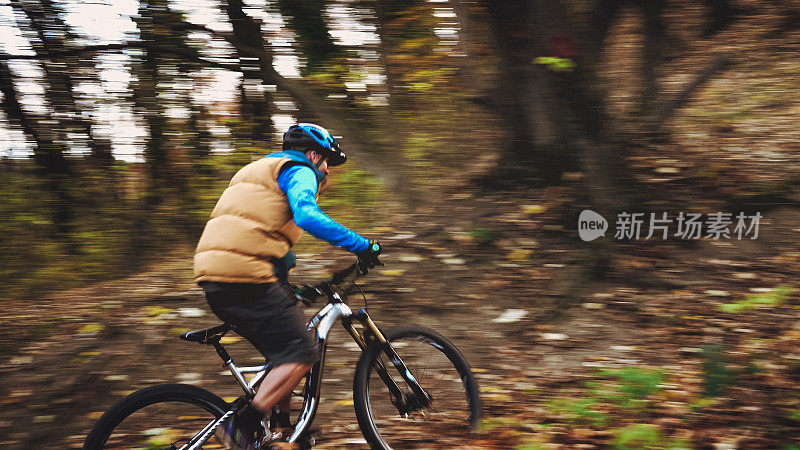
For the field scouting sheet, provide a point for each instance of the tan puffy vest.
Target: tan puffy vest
(251, 224)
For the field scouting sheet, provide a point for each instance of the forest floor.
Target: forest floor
(689, 344)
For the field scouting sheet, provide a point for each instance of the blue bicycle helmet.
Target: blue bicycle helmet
(313, 137)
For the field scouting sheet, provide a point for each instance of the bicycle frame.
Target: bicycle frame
(321, 323)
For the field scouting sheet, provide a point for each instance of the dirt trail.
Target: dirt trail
(76, 353)
(69, 357)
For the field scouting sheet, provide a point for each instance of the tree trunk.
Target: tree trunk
(655, 39)
(305, 19)
(528, 92)
(548, 115)
(397, 22)
(467, 69)
(48, 155)
(256, 65)
(560, 111)
(721, 13)
(166, 56)
(513, 44)
(603, 14)
(155, 152)
(147, 103)
(51, 33)
(393, 114)
(385, 55)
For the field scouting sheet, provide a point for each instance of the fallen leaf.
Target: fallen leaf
(511, 315)
(90, 328)
(229, 339)
(392, 272)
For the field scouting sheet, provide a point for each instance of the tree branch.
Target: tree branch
(123, 46)
(668, 108)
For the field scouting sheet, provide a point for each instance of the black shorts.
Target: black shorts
(268, 316)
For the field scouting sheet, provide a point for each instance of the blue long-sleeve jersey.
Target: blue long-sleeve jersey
(300, 185)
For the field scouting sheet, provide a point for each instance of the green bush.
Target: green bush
(751, 301)
(644, 436)
(631, 387)
(626, 388)
(637, 436)
(579, 411)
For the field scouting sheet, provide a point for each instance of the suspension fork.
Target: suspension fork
(421, 396)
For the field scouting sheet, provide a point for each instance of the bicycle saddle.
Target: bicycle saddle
(203, 336)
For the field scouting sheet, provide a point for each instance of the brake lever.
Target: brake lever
(363, 267)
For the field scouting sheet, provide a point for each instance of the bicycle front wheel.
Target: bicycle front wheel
(158, 417)
(440, 370)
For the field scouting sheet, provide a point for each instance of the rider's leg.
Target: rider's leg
(285, 404)
(279, 419)
(278, 384)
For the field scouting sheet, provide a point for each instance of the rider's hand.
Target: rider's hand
(307, 294)
(368, 258)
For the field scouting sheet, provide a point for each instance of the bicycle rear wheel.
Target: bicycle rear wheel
(158, 417)
(440, 370)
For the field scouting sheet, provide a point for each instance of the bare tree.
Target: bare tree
(48, 154)
(256, 67)
(50, 39)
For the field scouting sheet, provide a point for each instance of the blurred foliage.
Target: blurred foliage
(645, 436)
(483, 236)
(123, 215)
(626, 389)
(720, 372)
(751, 301)
(630, 386)
(115, 230)
(717, 375)
(424, 92)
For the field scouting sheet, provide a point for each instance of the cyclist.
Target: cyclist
(244, 256)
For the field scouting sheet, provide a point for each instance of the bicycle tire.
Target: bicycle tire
(365, 402)
(160, 394)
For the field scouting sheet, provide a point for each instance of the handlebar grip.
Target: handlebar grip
(305, 293)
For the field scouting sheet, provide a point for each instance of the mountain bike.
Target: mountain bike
(412, 388)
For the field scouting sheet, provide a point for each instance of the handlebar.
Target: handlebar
(309, 294)
(347, 274)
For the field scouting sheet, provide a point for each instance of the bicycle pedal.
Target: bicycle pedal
(309, 438)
